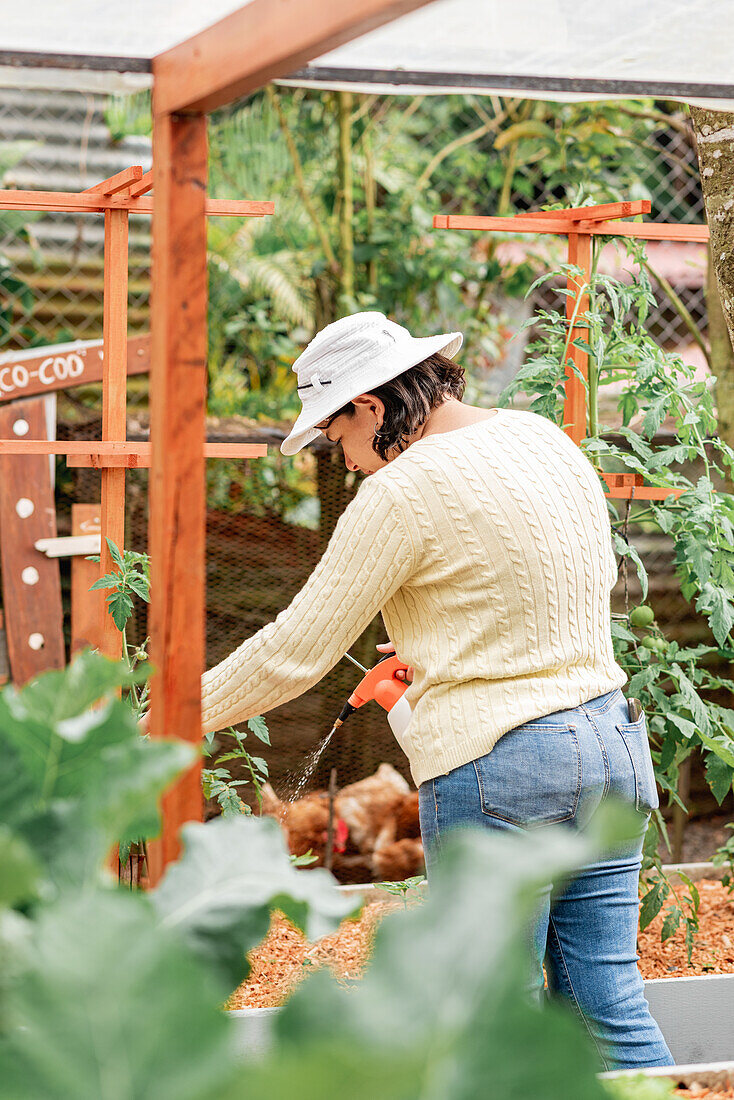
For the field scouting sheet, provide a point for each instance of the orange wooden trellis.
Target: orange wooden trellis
(116, 198)
(580, 224)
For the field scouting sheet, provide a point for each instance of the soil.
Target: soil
(701, 838)
(713, 949)
(285, 957)
(702, 1092)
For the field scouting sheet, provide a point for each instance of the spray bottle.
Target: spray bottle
(381, 684)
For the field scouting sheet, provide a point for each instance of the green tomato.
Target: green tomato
(642, 616)
(654, 645)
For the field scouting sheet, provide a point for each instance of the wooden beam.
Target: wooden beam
(577, 304)
(114, 403)
(72, 545)
(87, 608)
(177, 481)
(599, 213)
(642, 492)
(83, 448)
(141, 457)
(31, 581)
(73, 202)
(63, 366)
(144, 184)
(258, 43)
(119, 182)
(646, 231)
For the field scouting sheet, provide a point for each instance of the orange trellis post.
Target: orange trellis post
(233, 57)
(116, 198)
(579, 224)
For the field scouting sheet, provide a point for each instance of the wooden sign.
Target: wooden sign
(63, 366)
(30, 580)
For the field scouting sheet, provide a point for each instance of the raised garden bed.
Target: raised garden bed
(692, 1003)
(285, 957)
(706, 1081)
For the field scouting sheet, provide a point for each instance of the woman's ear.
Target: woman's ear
(372, 405)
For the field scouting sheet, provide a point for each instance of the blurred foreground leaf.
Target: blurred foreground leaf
(234, 871)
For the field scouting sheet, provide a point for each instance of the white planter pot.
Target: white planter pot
(252, 1032)
(696, 1017)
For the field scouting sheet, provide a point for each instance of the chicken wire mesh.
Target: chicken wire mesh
(269, 521)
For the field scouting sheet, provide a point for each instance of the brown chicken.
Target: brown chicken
(376, 827)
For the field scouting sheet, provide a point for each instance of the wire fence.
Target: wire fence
(268, 523)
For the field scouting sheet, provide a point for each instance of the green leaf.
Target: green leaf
(109, 580)
(694, 702)
(259, 727)
(671, 923)
(55, 696)
(121, 608)
(688, 729)
(626, 549)
(115, 553)
(717, 602)
(19, 870)
(233, 872)
(652, 902)
(718, 776)
(161, 1034)
(229, 800)
(259, 764)
(140, 586)
(637, 1086)
(74, 781)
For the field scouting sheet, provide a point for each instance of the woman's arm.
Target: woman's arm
(368, 557)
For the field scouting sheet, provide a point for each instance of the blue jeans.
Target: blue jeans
(560, 768)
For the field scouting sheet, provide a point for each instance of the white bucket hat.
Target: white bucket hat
(353, 356)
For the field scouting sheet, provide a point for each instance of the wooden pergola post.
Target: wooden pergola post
(178, 430)
(114, 402)
(231, 58)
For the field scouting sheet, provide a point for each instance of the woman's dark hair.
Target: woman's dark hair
(409, 399)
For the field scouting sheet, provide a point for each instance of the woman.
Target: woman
(483, 538)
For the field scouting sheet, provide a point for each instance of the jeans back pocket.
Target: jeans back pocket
(532, 776)
(634, 735)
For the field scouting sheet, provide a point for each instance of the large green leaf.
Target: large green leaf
(73, 780)
(110, 1007)
(19, 869)
(233, 872)
(60, 695)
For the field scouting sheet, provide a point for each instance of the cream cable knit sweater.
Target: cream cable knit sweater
(488, 551)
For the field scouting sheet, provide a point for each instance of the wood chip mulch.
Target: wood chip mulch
(713, 950)
(284, 957)
(702, 1092)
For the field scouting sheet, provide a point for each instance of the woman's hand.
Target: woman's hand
(388, 647)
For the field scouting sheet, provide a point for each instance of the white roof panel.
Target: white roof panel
(98, 28)
(546, 48)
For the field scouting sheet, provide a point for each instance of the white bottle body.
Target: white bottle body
(399, 718)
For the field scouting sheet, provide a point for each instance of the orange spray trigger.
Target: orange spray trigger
(381, 684)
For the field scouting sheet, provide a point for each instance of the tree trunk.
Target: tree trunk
(714, 132)
(721, 355)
